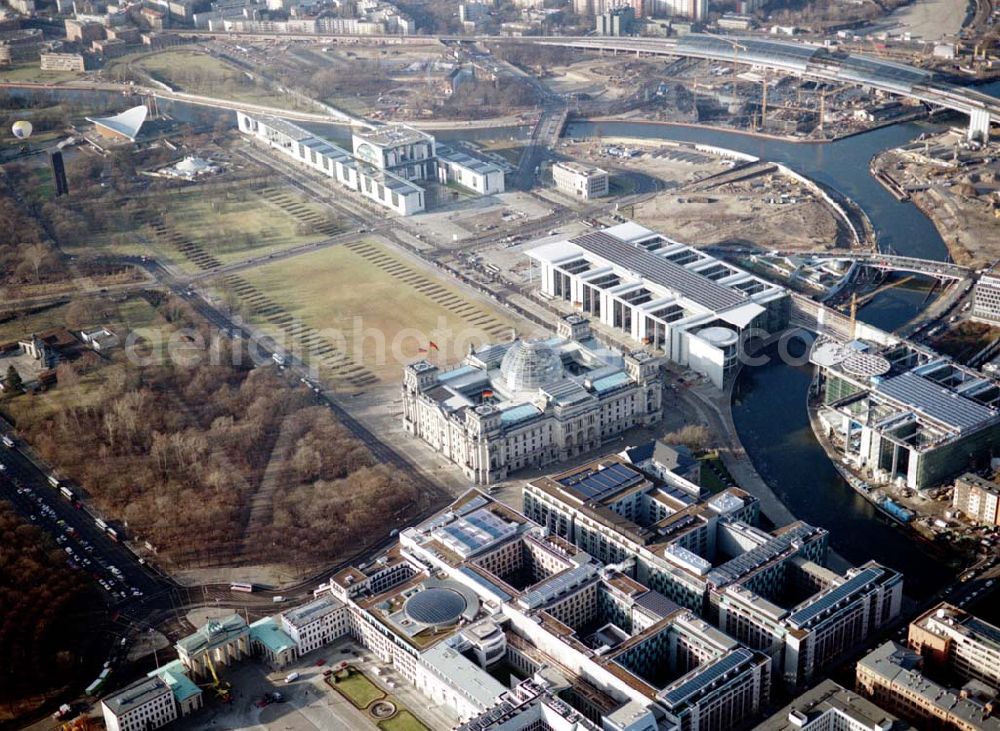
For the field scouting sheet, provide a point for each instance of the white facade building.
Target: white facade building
(986, 297)
(143, 705)
(378, 184)
(316, 624)
(692, 306)
(387, 164)
(580, 181)
(480, 176)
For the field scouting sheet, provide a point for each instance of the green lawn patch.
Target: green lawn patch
(714, 474)
(355, 687)
(402, 721)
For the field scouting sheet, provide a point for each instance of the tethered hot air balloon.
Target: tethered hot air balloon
(21, 130)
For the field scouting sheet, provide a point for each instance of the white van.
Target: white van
(291, 678)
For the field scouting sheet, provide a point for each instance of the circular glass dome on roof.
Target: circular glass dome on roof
(435, 606)
(530, 364)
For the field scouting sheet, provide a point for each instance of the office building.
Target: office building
(977, 499)
(386, 165)
(768, 590)
(533, 704)
(530, 403)
(892, 677)
(469, 171)
(315, 624)
(401, 150)
(831, 707)
(952, 640)
(144, 705)
(986, 297)
(688, 304)
(807, 617)
(904, 414)
(580, 181)
(376, 183)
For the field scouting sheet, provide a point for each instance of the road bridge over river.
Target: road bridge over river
(808, 61)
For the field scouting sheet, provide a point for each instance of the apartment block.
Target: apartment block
(977, 499)
(892, 676)
(952, 640)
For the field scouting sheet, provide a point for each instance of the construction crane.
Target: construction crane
(854, 315)
(222, 688)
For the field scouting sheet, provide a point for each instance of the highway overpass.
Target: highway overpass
(806, 60)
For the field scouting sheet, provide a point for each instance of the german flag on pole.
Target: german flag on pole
(434, 346)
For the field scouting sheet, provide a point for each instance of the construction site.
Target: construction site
(710, 197)
(692, 91)
(956, 183)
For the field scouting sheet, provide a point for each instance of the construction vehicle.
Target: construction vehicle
(223, 689)
(82, 723)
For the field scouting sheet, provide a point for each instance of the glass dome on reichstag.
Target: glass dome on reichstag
(529, 365)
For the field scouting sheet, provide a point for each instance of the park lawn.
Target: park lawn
(231, 229)
(402, 721)
(230, 224)
(358, 689)
(200, 73)
(31, 73)
(337, 289)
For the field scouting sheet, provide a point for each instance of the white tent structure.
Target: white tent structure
(127, 124)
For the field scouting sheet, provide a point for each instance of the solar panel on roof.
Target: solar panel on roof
(740, 566)
(706, 677)
(984, 629)
(810, 612)
(661, 271)
(936, 402)
(558, 584)
(596, 485)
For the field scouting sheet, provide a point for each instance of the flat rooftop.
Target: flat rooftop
(936, 402)
(830, 700)
(467, 160)
(392, 135)
(581, 169)
(308, 613)
(135, 695)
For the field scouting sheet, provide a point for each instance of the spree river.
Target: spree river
(769, 401)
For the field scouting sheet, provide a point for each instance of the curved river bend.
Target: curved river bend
(769, 402)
